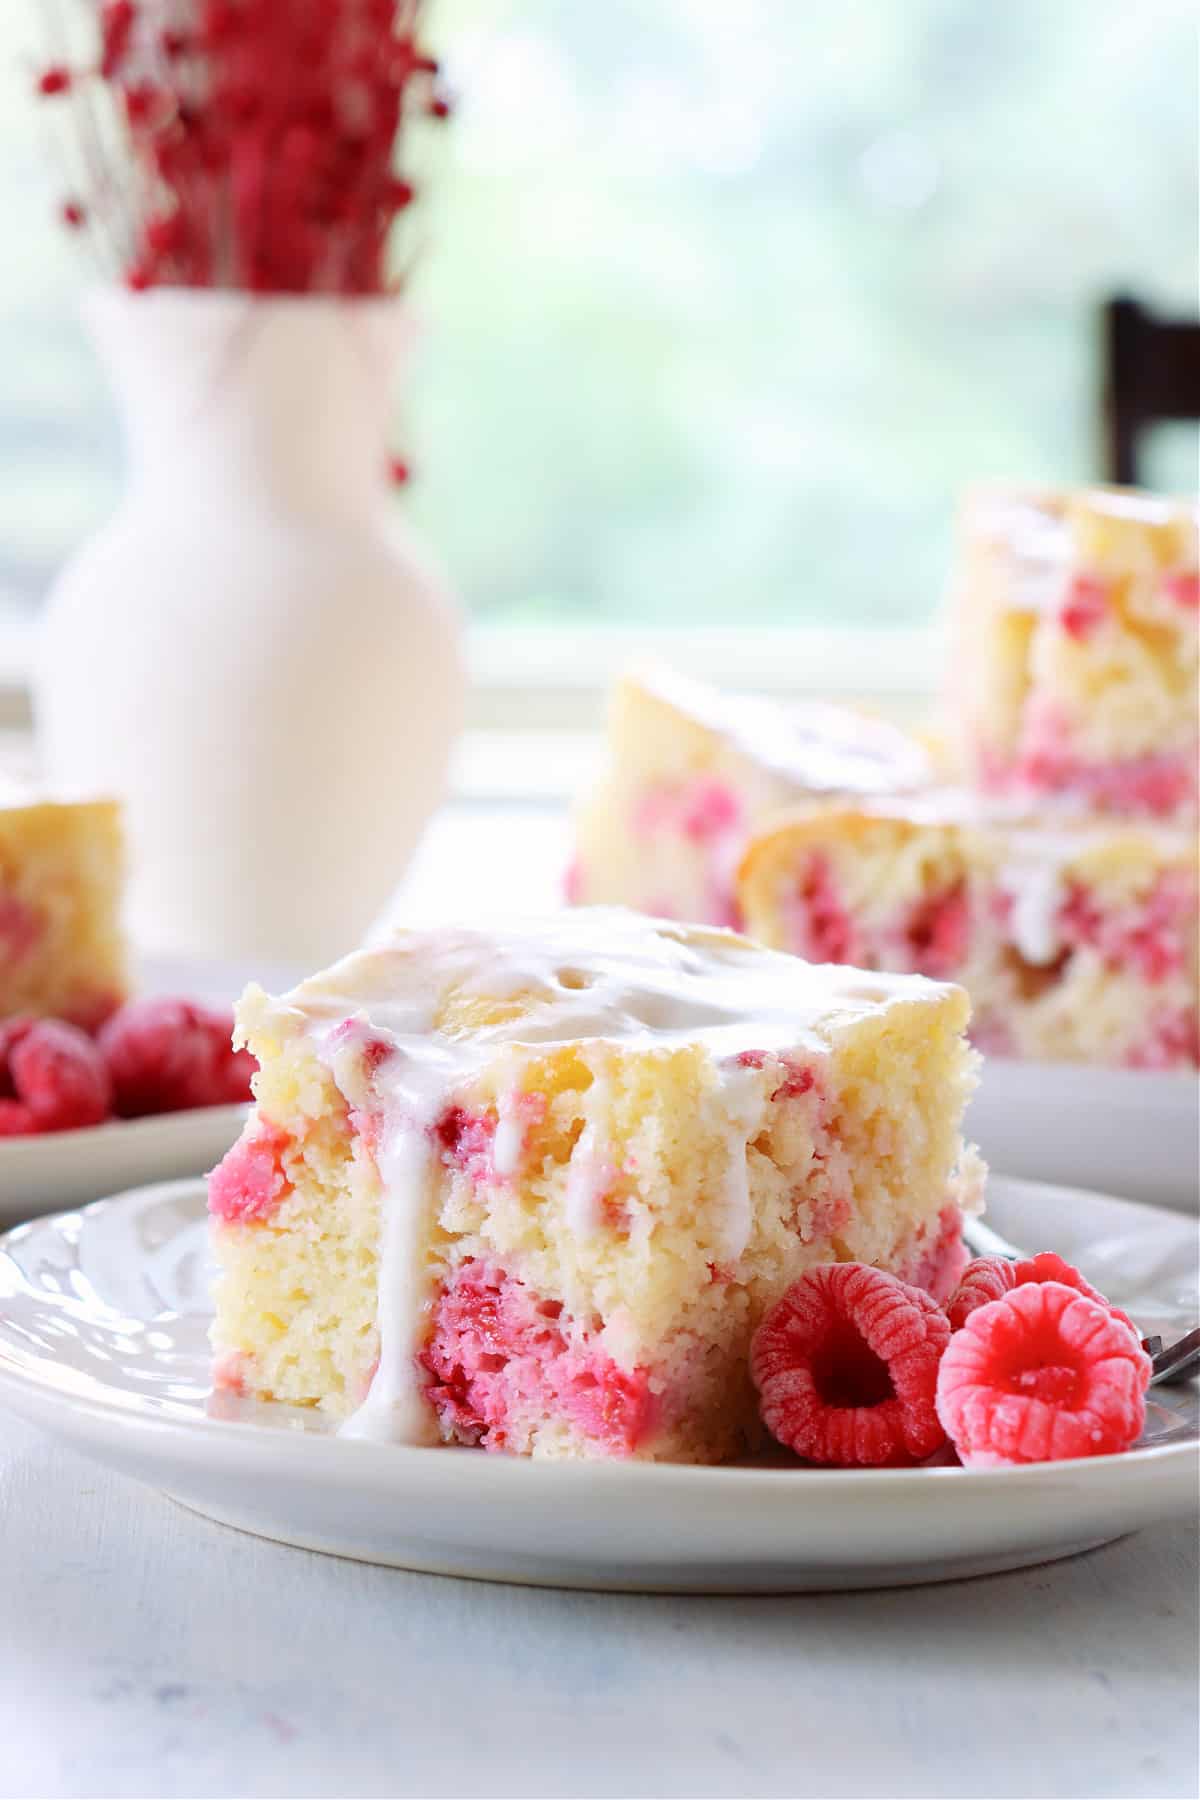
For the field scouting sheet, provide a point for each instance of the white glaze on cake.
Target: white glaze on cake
(510, 1134)
(587, 975)
(1037, 892)
(741, 1105)
(1035, 534)
(828, 749)
(1037, 546)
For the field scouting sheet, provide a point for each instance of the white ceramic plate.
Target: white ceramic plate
(65, 1168)
(1126, 1131)
(102, 1341)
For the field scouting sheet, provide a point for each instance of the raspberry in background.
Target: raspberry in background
(52, 1078)
(12, 1030)
(846, 1367)
(16, 1120)
(1043, 1374)
(169, 1055)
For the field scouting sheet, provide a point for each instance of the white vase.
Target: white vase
(253, 653)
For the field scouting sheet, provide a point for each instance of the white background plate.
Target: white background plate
(102, 1341)
(1124, 1131)
(66, 1168)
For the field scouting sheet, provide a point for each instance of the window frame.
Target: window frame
(527, 679)
(554, 677)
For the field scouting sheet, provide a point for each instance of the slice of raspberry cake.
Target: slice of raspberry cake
(62, 867)
(690, 773)
(1075, 665)
(534, 1187)
(1076, 940)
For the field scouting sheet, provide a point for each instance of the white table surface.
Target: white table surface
(147, 1652)
(144, 1651)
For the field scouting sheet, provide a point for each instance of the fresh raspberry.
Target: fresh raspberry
(1043, 1374)
(846, 1367)
(12, 1030)
(167, 1055)
(16, 1120)
(58, 1075)
(991, 1277)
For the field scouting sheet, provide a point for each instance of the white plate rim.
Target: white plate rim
(1165, 1087)
(326, 1457)
(90, 1137)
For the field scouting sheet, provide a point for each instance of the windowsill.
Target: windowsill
(537, 695)
(556, 677)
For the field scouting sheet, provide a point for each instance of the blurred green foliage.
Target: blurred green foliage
(723, 301)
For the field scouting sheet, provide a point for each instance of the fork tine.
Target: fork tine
(1173, 1362)
(1178, 1361)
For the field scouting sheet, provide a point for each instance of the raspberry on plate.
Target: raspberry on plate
(16, 1120)
(1042, 1374)
(991, 1277)
(12, 1030)
(846, 1367)
(52, 1078)
(168, 1055)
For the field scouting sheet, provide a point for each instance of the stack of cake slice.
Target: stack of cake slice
(1074, 671)
(1057, 880)
(1074, 666)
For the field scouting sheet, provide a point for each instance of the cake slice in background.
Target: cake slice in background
(62, 870)
(692, 771)
(1075, 938)
(533, 1187)
(1073, 672)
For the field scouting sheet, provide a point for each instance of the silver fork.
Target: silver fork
(1170, 1362)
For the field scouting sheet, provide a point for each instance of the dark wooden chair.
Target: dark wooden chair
(1151, 375)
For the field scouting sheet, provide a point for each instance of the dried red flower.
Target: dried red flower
(141, 103)
(263, 143)
(218, 21)
(165, 234)
(56, 79)
(116, 28)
